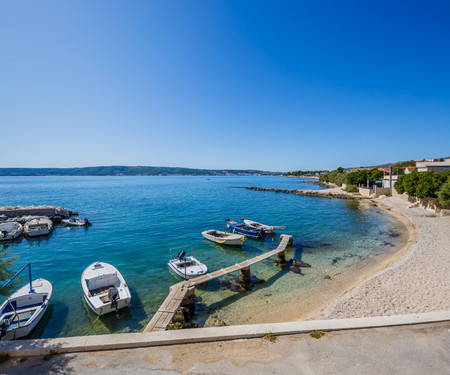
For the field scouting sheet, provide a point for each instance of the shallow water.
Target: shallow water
(136, 220)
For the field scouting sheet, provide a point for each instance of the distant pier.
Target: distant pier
(326, 193)
(183, 293)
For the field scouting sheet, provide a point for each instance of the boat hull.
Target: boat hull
(10, 231)
(45, 290)
(191, 271)
(38, 227)
(235, 240)
(267, 228)
(246, 232)
(104, 276)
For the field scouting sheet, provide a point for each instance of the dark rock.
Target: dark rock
(327, 277)
(190, 325)
(219, 323)
(335, 260)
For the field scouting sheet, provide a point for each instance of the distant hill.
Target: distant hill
(132, 171)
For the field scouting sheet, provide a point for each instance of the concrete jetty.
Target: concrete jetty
(183, 294)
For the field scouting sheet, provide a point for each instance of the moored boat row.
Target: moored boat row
(35, 227)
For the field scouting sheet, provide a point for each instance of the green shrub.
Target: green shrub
(352, 189)
(398, 186)
(444, 194)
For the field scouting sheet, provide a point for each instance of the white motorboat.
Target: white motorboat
(75, 222)
(223, 238)
(23, 310)
(10, 230)
(40, 226)
(186, 267)
(104, 288)
(268, 229)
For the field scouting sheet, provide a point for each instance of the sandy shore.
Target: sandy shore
(417, 278)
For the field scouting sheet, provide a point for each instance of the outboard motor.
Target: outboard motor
(86, 222)
(261, 233)
(4, 324)
(113, 295)
(181, 255)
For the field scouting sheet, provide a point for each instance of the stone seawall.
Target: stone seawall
(19, 211)
(327, 193)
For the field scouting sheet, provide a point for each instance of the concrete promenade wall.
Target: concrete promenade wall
(23, 348)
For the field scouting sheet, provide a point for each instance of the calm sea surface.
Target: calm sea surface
(136, 220)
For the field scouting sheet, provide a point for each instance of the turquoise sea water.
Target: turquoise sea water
(136, 220)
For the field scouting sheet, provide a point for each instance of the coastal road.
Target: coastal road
(414, 349)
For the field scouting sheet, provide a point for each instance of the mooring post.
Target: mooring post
(244, 277)
(280, 258)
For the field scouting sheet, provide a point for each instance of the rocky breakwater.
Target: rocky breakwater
(24, 213)
(326, 193)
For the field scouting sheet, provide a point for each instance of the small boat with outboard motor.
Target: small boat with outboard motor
(22, 310)
(10, 230)
(186, 267)
(245, 229)
(268, 229)
(104, 288)
(76, 222)
(40, 226)
(224, 238)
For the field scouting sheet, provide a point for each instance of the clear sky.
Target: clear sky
(273, 85)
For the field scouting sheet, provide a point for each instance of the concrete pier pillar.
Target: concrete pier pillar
(189, 297)
(244, 277)
(280, 258)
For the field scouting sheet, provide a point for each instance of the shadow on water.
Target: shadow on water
(39, 241)
(4, 244)
(39, 329)
(203, 312)
(59, 313)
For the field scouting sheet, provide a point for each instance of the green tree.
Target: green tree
(340, 170)
(6, 271)
(427, 185)
(410, 183)
(399, 185)
(444, 193)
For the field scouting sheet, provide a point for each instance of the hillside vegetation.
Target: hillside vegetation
(129, 171)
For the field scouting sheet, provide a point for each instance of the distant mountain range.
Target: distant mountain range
(132, 171)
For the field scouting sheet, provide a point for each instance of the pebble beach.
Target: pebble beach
(417, 278)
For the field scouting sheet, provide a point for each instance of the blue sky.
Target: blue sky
(273, 85)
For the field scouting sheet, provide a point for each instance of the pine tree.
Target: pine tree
(6, 271)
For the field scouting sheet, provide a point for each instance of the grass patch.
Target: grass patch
(270, 337)
(50, 355)
(4, 357)
(317, 334)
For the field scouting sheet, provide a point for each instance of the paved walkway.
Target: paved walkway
(415, 349)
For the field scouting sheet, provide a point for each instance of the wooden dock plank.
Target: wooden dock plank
(173, 301)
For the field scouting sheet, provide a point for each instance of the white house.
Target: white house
(437, 166)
